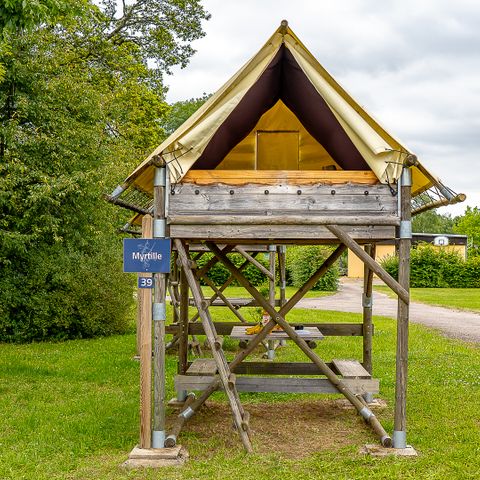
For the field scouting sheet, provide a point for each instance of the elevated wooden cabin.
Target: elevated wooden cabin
(281, 154)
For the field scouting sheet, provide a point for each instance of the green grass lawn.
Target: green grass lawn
(461, 298)
(70, 411)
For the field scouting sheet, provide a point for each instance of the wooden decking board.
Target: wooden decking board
(350, 369)
(267, 177)
(280, 384)
(203, 366)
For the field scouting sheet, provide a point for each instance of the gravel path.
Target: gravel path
(453, 323)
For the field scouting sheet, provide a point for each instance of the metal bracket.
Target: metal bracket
(405, 229)
(399, 439)
(187, 413)
(366, 413)
(160, 177)
(159, 312)
(159, 227)
(367, 302)
(158, 439)
(406, 177)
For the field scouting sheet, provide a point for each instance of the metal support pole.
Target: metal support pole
(404, 244)
(159, 313)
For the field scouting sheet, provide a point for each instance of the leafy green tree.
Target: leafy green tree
(181, 111)
(79, 108)
(469, 224)
(432, 222)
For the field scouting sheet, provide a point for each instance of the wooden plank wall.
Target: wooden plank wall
(281, 211)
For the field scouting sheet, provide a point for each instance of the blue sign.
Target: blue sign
(145, 282)
(146, 255)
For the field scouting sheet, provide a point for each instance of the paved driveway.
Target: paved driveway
(453, 323)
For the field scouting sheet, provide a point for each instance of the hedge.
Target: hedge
(431, 267)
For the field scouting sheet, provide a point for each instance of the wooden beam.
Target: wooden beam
(327, 329)
(145, 344)
(367, 310)
(274, 219)
(404, 245)
(253, 261)
(222, 365)
(281, 384)
(269, 177)
(372, 264)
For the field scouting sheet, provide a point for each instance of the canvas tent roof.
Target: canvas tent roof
(285, 72)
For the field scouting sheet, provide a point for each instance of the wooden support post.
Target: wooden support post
(271, 294)
(222, 365)
(183, 341)
(372, 264)
(404, 244)
(278, 318)
(282, 250)
(159, 313)
(145, 345)
(174, 294)
(367, 311)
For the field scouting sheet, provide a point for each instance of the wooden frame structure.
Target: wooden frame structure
(349, 185)
(225, 218)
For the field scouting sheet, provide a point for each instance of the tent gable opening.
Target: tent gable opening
(283, 81)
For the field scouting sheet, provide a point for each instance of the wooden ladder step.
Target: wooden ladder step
(350, 369)
(202, 366)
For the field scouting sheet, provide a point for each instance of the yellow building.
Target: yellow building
(457, 243)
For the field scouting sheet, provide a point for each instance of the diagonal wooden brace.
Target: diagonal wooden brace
(345, 238)
(277, 317)
(222, 366)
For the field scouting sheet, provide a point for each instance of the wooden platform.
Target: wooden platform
(201, 373)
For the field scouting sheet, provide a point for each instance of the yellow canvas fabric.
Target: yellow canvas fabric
(382, 152)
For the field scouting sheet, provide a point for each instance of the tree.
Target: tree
(79, 108)
(469, 224)
(432, 222)
(181, 111)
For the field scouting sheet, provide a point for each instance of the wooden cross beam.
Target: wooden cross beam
(278, 318)
(257, 339)
(345, 238)
(229, 280)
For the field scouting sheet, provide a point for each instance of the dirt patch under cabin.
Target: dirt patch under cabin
(290, 429)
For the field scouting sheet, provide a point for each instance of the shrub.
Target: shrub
(303, 261)
(219, 273)
(64, 295)
(431, 267)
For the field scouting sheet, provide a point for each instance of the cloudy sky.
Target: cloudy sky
(413, 64)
